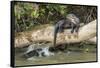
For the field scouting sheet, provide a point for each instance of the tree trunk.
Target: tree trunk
(46, 34)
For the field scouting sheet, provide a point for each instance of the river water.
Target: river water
(84, 54)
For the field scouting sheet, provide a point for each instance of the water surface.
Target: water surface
(76, 55)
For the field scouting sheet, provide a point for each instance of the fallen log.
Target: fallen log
(46, 34)
(93, 40)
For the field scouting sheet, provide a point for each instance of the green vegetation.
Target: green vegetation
(28, 15)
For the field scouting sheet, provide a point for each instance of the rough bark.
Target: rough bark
(86, 32)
